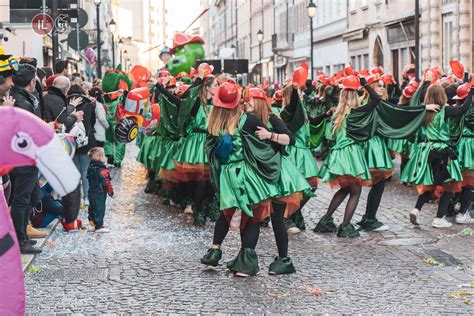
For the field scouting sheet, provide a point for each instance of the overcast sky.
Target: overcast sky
(183, 12)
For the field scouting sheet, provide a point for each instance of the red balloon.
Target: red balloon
(457, 68)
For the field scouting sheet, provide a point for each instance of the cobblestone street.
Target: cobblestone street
(149, 263)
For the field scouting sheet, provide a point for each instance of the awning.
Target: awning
(298, 59)
(353, 35)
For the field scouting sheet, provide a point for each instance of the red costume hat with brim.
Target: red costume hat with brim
(372, 79)
(278, 95)
(350, 82)
(376, 71)
(409, 91)
(462, 91)
(388, 79)
(227, 96)
(258, 93)
(181, 39)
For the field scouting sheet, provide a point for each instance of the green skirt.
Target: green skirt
(144, 155)
(399, 146)
(304, 161)
(418, 171)
(241, 187)
(169, 148)
(466, 153)
(348, 161)
(291, 180)
(376, 154)
(193, 149)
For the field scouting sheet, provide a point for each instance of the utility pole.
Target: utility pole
(417, 39)
(54, 13)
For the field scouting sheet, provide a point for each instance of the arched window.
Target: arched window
(378, 52)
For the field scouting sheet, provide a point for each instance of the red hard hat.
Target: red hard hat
(364, 72)
(324, 80)
(350, 82)
(278, 95)
(409, 91)
(376, 70)
(168, 82)
(388, 79)
(50, 80)
(462, 91)
(227, 96)
(257, 93)
(414, 84)
(372, 78)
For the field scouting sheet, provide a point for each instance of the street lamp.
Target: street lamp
(113, 28)
(99, 66)
(120, 42)
(311, 8)
(125, 59)
(260, 40)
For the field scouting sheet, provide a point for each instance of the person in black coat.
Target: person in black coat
(25, 188)
(81, 158)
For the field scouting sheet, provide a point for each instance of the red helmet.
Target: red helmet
(462, 91)
(168, 82)
(227, 96)
(409, 91)
(257, 93)
(164, 73)
(278, 95)
(376, 71)
(350, 82)
(325, 81)
(388, 79)
(365, 72)
(372, 78)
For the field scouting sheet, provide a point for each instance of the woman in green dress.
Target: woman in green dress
(245, 173)
(434, 163)
(191, 161)
(291, 184)
(346, 166)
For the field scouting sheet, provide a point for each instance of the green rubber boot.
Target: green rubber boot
(212, 257)
(347, 230)
(281, 266)
(325, 225)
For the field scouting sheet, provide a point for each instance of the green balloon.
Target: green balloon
(184, 58)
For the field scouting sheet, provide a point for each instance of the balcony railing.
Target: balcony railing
(282, 41)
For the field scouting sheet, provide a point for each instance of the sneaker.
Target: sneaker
(293, 230)
(281, 266)
(347, 230)
(91, 228)
(241, 274)
(86, 202)
(464, 218)
(32, 232)
(26, 248)
(414, 216)
(102, 230)
(441, 223)
(325, 225)
(188, 210)
(32, 242)
(372, 225)
(212, 257)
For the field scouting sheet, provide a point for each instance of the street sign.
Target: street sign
(83, 17)
(42, 24)
(83, 40)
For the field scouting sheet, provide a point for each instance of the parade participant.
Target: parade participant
(465, 150)
(434, 163)
(114, 83)
(244, 171)
(291, 184)
(294, 116)
(191, 160)
(346, 166)
(99, 187)
(277, 105)
(7, 66)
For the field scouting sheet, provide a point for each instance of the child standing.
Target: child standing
(99, 187)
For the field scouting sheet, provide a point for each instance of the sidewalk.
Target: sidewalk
(27, 260)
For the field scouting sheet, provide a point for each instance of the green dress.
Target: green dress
(113, 148)
(345, 158)
(435, 136)
(238, 181)
(466, 144)
(301, 154)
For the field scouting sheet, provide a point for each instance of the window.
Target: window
(23, 11)
(353, 61)
(447, 47)
(366, 61)
(352, 5)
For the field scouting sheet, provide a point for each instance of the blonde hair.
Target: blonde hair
(97, 154)
(348, 100)
(287, 94)
(373, 85)
(261, 110)
(223, 120)
(207, 82)
(434, 95)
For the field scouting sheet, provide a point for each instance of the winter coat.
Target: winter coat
(101, 123)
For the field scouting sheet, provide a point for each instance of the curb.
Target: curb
(27, 260)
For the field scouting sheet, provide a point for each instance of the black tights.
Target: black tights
(248, 235)
(374, 198)
(466, 199)
(443, 203)
(353, 191)
(220, 230)
(279, 229)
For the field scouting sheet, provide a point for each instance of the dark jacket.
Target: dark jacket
(89, 121)
(25, 100)
(39, 95)
(99, 178)
(55, 103)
